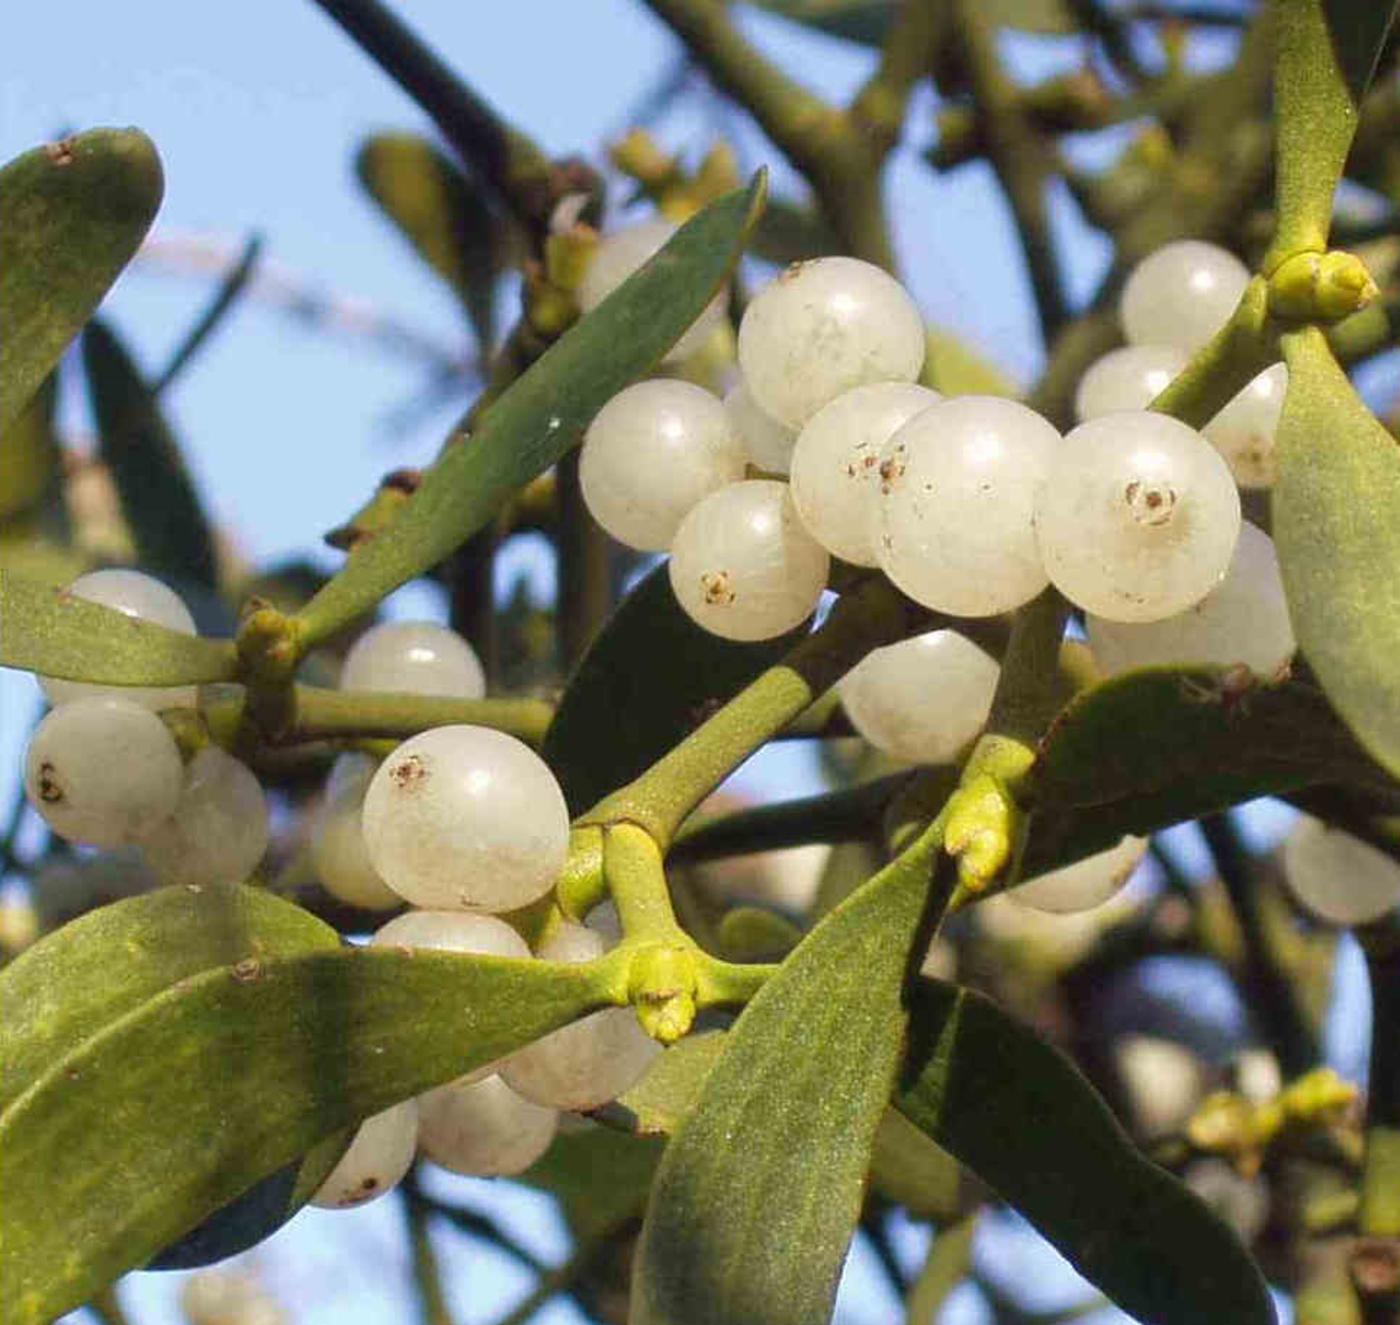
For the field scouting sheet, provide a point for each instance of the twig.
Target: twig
(482, 1227)
(563, 1277)
(585, 572)
(427, 1276)
(234, 283)
(910, 52)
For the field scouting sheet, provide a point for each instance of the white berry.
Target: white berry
(767, 443)
(1338, 877)
(1244, 619)
(219, 830)
(835, 474)
(1128, 378)
(228, 1296)
(466, 818)
(376, 1162)
(823, 327)
(103, 771)
(742, 565)
(653, 452)
(590, 1062)
(922, 699)
(338, 848)
(620, 254)
(133, 594)
(956, 505)
(1138, 517)
(1086, 883)
(1244, 431)
(483, 1128)
(1181, 295)
(414, 658)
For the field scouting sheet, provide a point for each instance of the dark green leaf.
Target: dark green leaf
(47, 630)
(1154, 747)
(649, 679)
(601, 1177)
(158, 497)
(758, 1193)
(438, 210)
(1017, 1112)
(1337, 526)
(671, 1087)
(543, 414)
(72, 215)
(789, 232)
(909, 1169)
(32, 468)
(177, 1108)
(230, 287)
(865, 21)
(1359, 29)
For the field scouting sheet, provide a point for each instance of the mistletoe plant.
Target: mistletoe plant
(188, 1067)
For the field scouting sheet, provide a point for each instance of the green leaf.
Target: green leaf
(1359, 30)
(949, 1261)
(669, 1091)
(442, 214)
(957, 370)
(32, 468)
(47, 630)
(790, 232)
(600, 1177)
(158, 497)
(760, 1188)
(182, 1104)
(72, 215)
(546, 410)
(909, 1169)
(654, 666)
(1017, 1112)
(1154, 747)
(1337, 527)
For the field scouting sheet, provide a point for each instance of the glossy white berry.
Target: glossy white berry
(743, 566)
(376, 1162)
(590, 1062)
(338, 849)
(620, 254)
(957, 494)
(466, 818)
(103, 771)
(1338, 877)
(767, 443)
(835, 474)
(219, 830)
(1244, 431)
(1163, 1082)
(483, 1128)
(1181, 295)
(922, 699)
(1128, 378)
(1138, 517)
(653, 452)
(137, 595)
(415, 658)
(823, 327)
(1244, 619)
(1086, 883)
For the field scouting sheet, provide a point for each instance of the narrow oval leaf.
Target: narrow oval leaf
(1337, 527)
(1154, 747)
(158, 497)
(181, 1105)
(72, 215)
(1359, 29)
(442, 214)
(1018, 1113)
(647, 681)
(600, 1177)
(760, 1188)
(50, 631)
(31, 471)
(545, 412)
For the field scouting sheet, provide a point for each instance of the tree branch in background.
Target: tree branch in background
(233, 285)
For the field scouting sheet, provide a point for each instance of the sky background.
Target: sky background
(257, 110)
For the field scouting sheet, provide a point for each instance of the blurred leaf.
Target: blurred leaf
(1017, 1112)
(948, 1263)
(759, 1191)
(671, 1087)
(1154, 747)
(1337, 526)
(956, 370)
(790, 232)
(33, 460)
(179, 1106)
(601, 1177)
(544, 412)
(225, 297)
(756, 934)
(27, 552)
(1359, 29)
(72, 215)
(158, 498)
(912, 1171)
(442, 214)
(652, 663)
(47, 630)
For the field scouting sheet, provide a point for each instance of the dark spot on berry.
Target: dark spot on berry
(50, 789)
(61, 152)
(247, 971)
(409, 773)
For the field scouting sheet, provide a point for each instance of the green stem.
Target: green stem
(910, 52)
(427, 1276)
(585, 575)
(1380, 1200)
(562, 1278)
(636, 879)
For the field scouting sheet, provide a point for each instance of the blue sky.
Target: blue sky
(257, 109)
